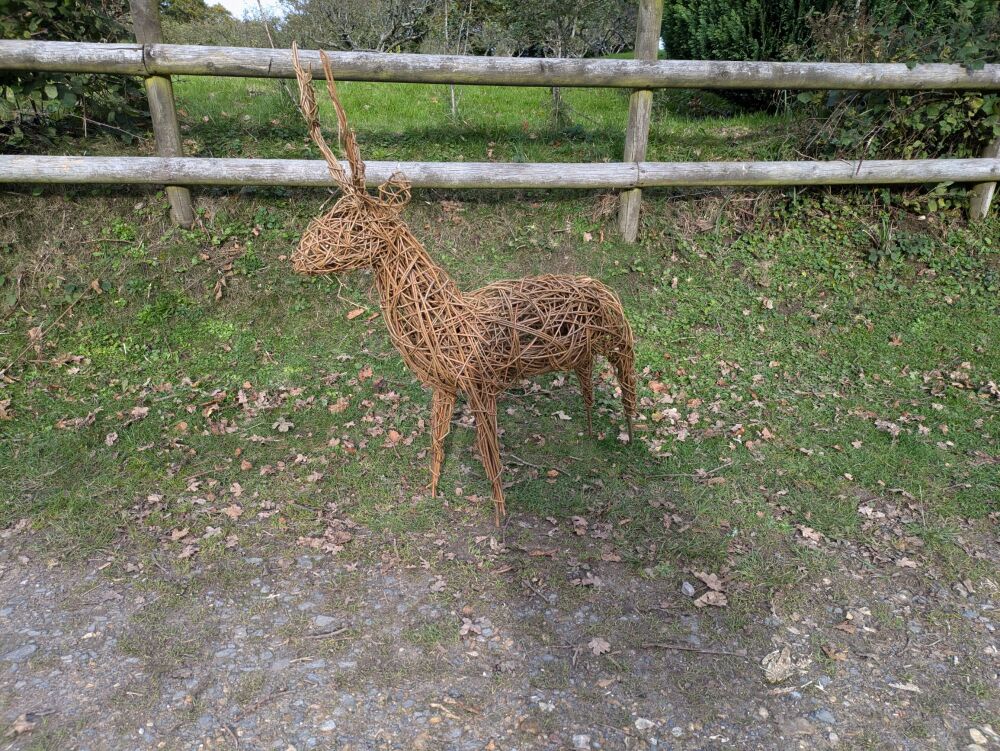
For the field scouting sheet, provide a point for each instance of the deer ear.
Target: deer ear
(395, 191)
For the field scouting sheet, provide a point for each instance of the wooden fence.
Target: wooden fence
(156, 62)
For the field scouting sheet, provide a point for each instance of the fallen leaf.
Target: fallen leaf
(906, 563)
(355, 313)
(282, 425)
(713, 598)
(809, 533)
(711, 581)
(438, 585)
(778, 665)
(833, 653)
(179, 534)
(598, 646)
(911, 687)
(5, 411)
(24, 723)
(542, 552)
(233, 511)
(111, 439)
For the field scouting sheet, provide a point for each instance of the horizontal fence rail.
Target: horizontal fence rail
(176, 59)
(618, 175)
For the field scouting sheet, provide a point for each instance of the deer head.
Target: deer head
(360, 226)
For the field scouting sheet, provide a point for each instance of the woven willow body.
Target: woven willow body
(478, 343)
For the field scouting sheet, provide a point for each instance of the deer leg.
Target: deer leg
(624, 362)
(442, 405)
(484, 407)
(584, 374)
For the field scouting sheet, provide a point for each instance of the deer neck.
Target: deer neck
(409, 281)
(420, 307)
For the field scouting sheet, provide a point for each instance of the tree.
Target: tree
(555, 28)
(373, 25)
(188, 11)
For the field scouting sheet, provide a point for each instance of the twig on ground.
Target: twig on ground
(232, 734)
(326, 634)
(535, 589)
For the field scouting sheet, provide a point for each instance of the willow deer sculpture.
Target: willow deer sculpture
(479, 342)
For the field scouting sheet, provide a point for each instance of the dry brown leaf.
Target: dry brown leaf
(598, 646)
(233, 511)
(542, 552)
(713, 598)
(809, 533)
(355, 313)
(833, 653)
(711, 581)
(23, 724)
(179, 534)
(778, 665)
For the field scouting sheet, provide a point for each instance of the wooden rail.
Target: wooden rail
(156, 62)
(177, 59)
(616, 175)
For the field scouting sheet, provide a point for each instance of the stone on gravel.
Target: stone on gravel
(641, 723)
(322, 621)
(581, 742)
(977, 736)
(21, 653)
(824, 716)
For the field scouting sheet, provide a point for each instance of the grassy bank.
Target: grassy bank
(814, 368)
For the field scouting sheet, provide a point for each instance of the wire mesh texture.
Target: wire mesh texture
(479, 342)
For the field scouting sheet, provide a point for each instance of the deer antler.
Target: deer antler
(347, 139)
(307, 100)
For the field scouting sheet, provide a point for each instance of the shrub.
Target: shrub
(738, 30)
(34, 103)
(906, 124)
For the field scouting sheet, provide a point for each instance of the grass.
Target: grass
(809, 380)
(510, 124)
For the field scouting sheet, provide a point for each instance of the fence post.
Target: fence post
(640, 104)
(982, 194)
(160, 92)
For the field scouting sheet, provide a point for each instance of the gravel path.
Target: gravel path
(484, 648)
